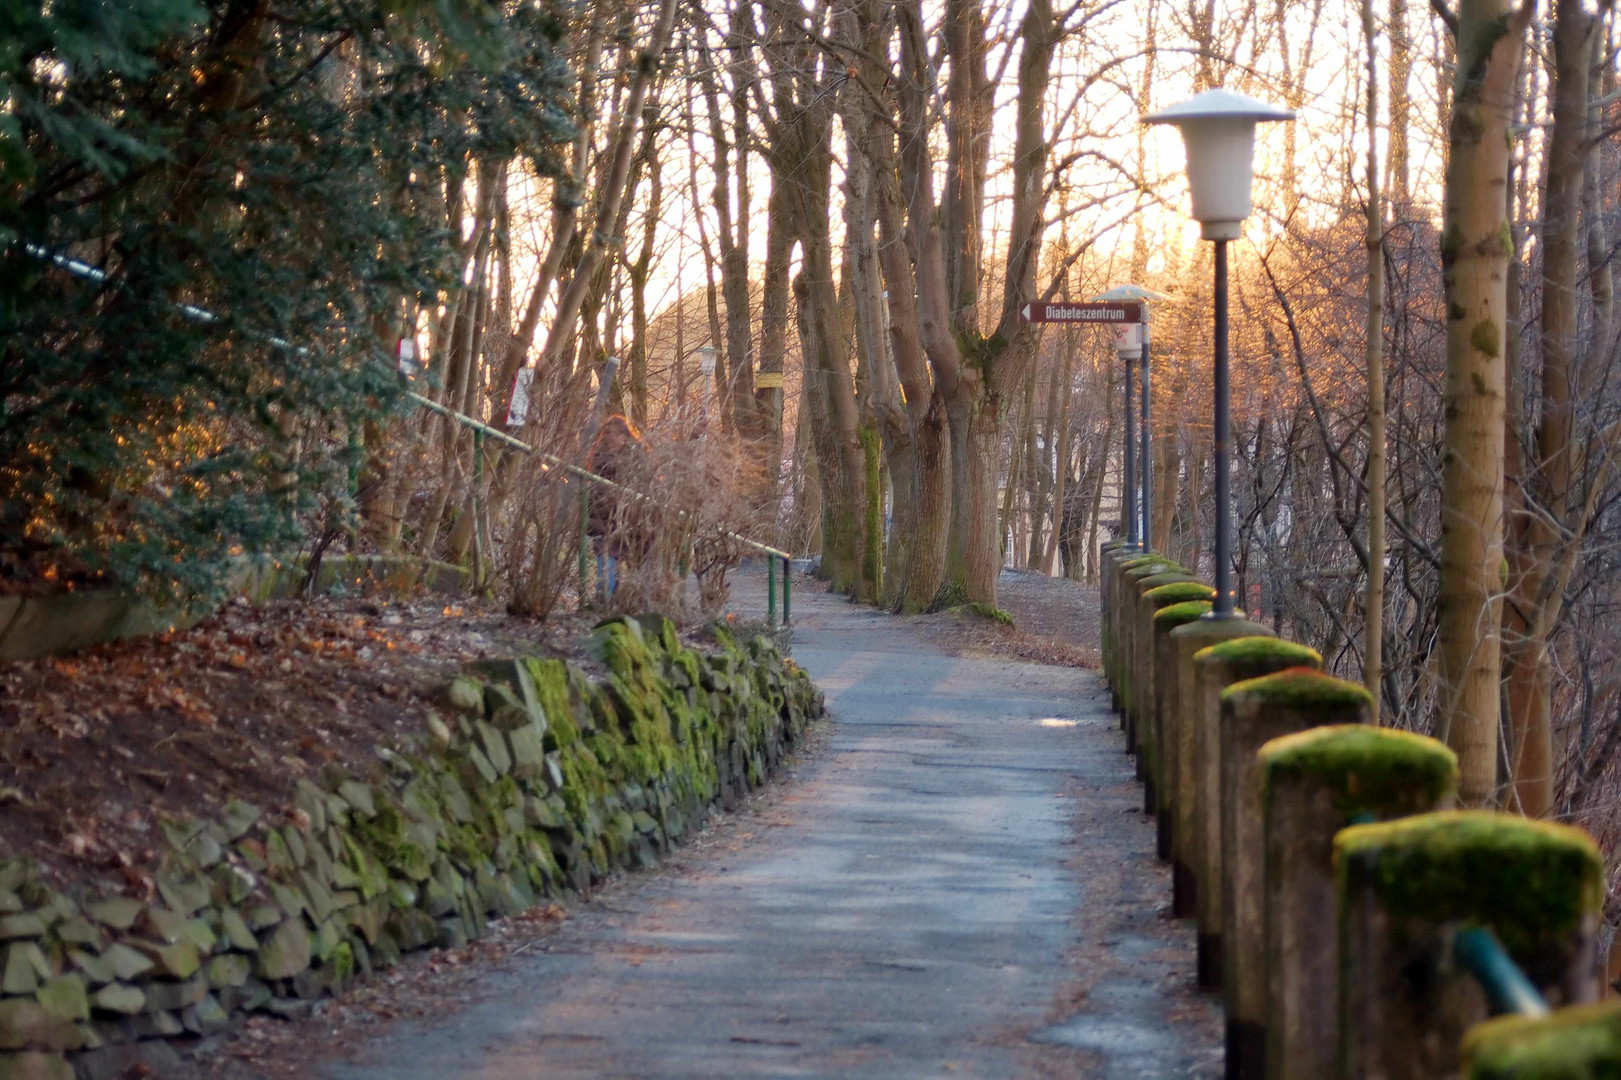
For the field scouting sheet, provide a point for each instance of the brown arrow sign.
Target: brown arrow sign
(1102, 311)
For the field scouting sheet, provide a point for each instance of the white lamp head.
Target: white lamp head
(706, 359)
(1128, 291)
(1218, 130)
(1128, 338)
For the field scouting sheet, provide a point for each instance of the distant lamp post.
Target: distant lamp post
(1131, 345)
(706, 366)
(1218, 130)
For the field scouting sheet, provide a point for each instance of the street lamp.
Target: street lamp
(1218, 130)
(706, 367)
(1131, 344)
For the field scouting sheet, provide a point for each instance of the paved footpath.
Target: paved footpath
(957, 886)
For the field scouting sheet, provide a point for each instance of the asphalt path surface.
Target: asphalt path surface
(958, 885)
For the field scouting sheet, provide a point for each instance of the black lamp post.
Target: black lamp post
(1131, 344)
(1218, 130)
(1132, 541)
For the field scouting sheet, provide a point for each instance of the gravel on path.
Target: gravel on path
(959, 884)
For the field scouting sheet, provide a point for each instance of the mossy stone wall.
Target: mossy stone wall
(535, 782)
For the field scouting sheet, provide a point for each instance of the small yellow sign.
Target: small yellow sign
(768, 380)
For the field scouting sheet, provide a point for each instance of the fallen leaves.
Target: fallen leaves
(176, 724)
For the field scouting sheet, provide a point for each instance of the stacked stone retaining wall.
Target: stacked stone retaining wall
(535, 782)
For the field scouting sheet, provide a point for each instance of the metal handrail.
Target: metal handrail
(574, 470)
(86, 271)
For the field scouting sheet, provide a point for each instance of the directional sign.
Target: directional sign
(1106, 311)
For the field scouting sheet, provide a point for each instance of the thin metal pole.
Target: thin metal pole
(1131, 467)
(1221, 437)
(585, 540)
(478, 510)
(771, 592)
(787, 593)
(1147, 456)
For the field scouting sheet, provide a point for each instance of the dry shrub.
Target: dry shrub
(698, 488)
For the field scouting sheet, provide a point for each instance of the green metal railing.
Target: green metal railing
(482, 430)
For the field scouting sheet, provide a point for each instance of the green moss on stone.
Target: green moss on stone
(1178, 614)
(1178, 592)
(1137, 562)
(1300, 688)
(1260, 648)
(1529, 881)
(1371, 770)
(1582, 1042)
(986, 611)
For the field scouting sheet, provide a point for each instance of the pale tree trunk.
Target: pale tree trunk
(1166, 462)
(1045, 474)
(1475, 248)
(1017, 469)
(1061, 461)
(1374, 600)
(737, 399)
(1401, 104)
(1548, 494)
(639, 271)
(899, 379)
(779, 243)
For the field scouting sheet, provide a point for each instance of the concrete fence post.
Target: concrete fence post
(1217, 667)
(1158, 591)
(1168, 622)
(1582, 1042)
(1404, 890)
(1120, 622)
(1129, 595)
(1109, 559)
(1178, 840)
(1254, 712)
(1314, 783)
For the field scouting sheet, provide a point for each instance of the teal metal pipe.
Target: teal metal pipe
(787, 593)
(1477, 951)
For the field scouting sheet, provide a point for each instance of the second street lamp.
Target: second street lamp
(1218, 130)
(1133, 348)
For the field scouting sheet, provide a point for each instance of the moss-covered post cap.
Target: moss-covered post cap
(1180, 613)
(1582, 1042)
(1367, 770)
(1158, 562)
(1298, 688)
(1260, 649)
(1164, 577)
(1530, 881)
(1178, 592)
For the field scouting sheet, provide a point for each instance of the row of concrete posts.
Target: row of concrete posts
(1356, 925)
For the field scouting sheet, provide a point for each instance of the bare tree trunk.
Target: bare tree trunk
(1374, 601)
(1065, 394)
(1475, 248)
(1401, 105)
(1537, 534)
(639, 271)
(779, 242)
